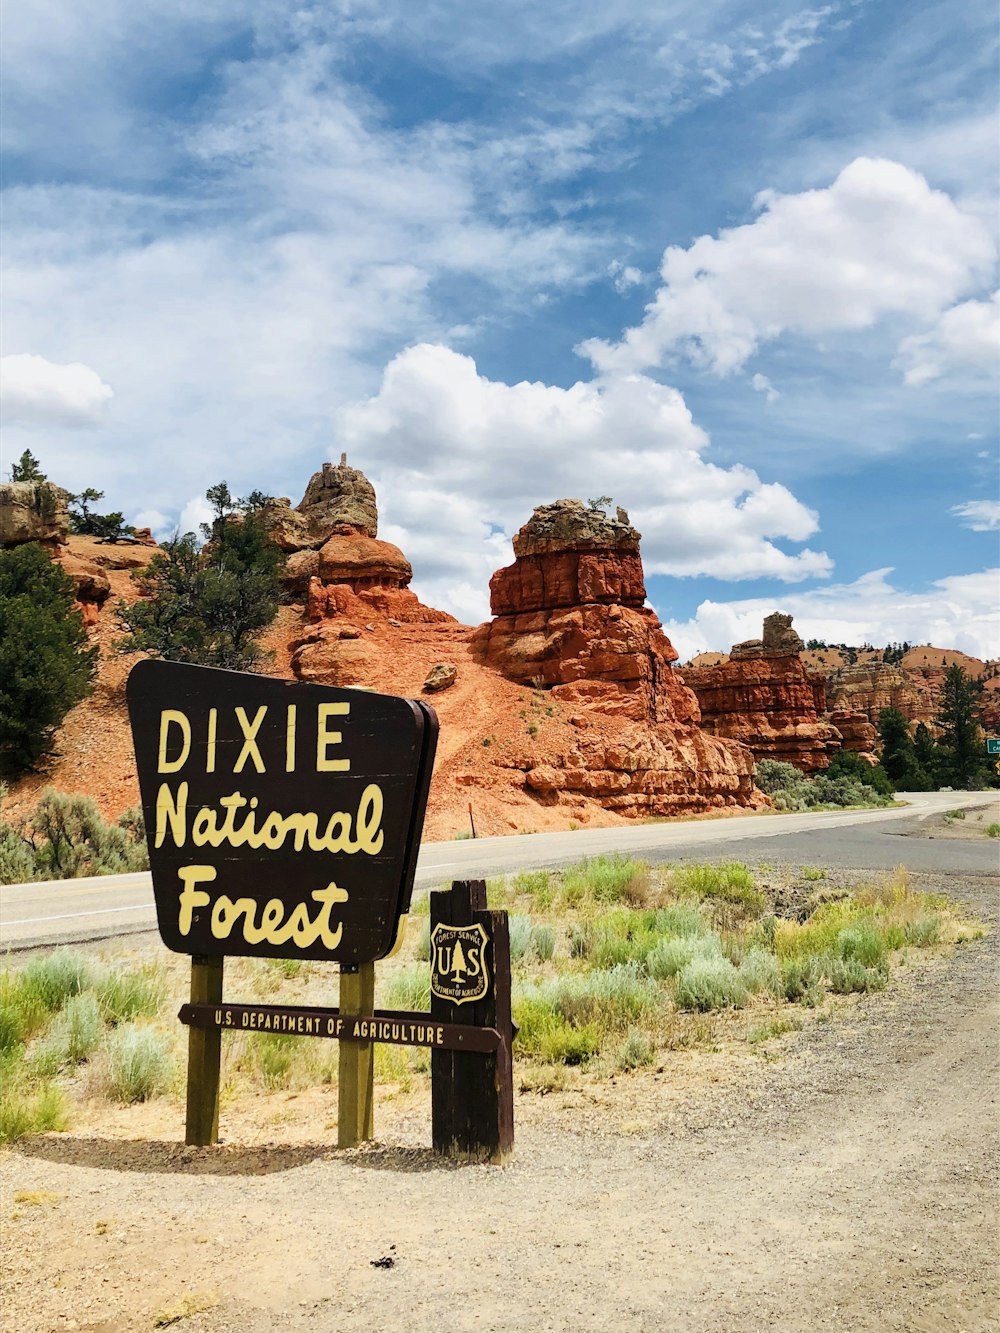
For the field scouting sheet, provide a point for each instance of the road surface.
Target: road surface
(64, 911)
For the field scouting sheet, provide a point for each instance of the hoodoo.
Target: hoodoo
(570, 618)
(346, 574)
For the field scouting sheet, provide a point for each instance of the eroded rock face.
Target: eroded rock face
(91, 585)
(869, 687)
(569, 617)
(32, 511)
(337, 499)
(350, 580)
(765, 697)
(856, 732)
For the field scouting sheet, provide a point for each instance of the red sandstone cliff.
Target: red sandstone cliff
(765, 697)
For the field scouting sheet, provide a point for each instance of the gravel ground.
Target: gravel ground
(846, 1180)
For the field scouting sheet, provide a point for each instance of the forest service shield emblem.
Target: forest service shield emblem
(458, 963)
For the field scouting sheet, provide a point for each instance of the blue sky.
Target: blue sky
(732, 264)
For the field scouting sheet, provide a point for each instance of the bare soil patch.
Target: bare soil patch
(842, 1177)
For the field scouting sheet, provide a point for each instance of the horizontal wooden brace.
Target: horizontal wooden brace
(393, 1027)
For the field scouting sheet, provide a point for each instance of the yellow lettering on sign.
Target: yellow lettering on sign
(190, 896)
(174, 812)
(250, 730)
(325, 738)
(213, 723)
(290, 740)
(207, 830)
(163, 764)
(299, 928)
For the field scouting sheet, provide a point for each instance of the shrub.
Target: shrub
(669, 956)
(536, 884)
(727, 882)
(635, 1052)
(520, 936)
(992, 830)
(543, 942)
(71, 1038)
(924, 931)
(547, 1035)
(46, 663)
(34, 1111)
(67, 838)
(710, 982)
(848, 974)
(409, 988)
(679, 919)
(140, 1063)
(613, 998)
(863, 942)
(124, 996)
(53, 978)
(606, 879)
(759, 971)
(801, 980)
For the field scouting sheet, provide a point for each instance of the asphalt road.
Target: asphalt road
(65, 911)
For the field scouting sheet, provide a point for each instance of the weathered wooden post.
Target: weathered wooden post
(356, 1078)
(204, 1056)
(472, 1094)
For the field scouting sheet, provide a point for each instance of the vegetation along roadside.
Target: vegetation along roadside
(617, 965)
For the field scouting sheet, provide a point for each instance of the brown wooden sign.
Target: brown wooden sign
(390, 1026)
(283, 819)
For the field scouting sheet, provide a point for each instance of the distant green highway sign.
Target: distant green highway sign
(993, 744)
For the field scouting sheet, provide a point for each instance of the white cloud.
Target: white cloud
(877, 243)
(979, 515)
(624, 276)
(960, 612)
(761, 384)
(457, 456)
(36, 392)
(965, 338)
(160, 525)
(196, 512)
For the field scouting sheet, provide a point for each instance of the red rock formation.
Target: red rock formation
(351, 579)
(765, 697)
(868, 687)
(92, 587)
(570, 619)
(856, 732)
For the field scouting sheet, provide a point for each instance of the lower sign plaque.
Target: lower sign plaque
(458, 963)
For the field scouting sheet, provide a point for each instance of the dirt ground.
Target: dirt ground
(839, 1178)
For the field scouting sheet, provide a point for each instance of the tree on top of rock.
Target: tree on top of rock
(27, 468)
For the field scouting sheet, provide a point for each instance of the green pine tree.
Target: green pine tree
(27, 468)
(962, 746)
(46, 663)
(207, 606)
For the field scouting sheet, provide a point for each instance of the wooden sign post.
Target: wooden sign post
(283, 821)
(472, 1096)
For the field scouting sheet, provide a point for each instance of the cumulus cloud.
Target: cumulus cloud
(877, 243)
(965, 338)
(37, 392)
(463, 459)
(958, 612)
(979, 515)
(196, 512)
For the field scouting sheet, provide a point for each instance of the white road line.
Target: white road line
(71, 916)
